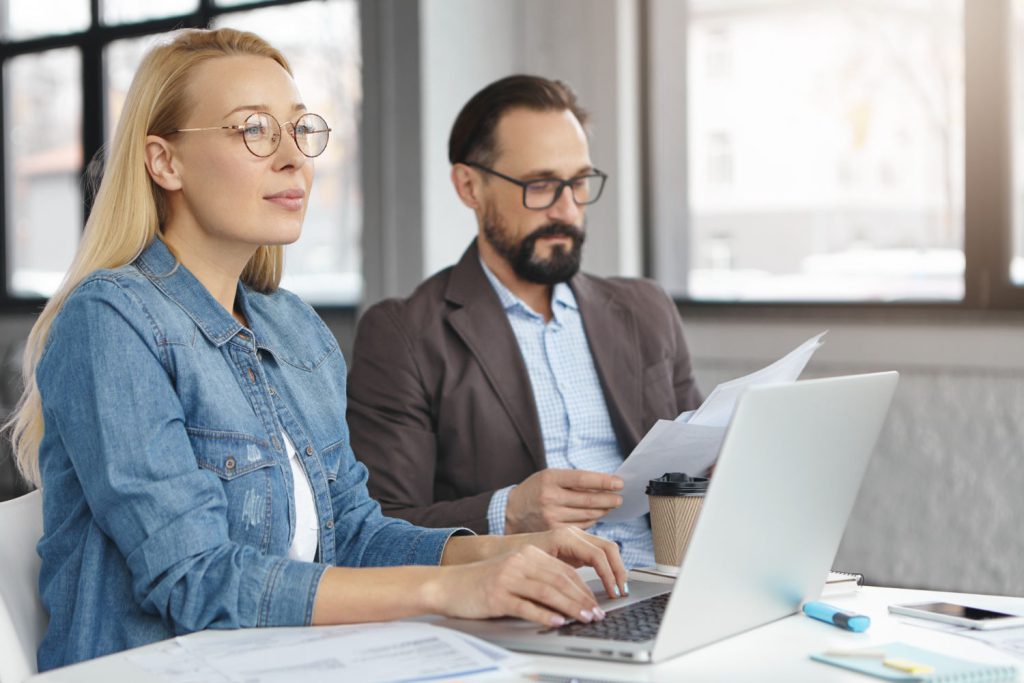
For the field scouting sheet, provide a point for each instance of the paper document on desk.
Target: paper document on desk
(374, 653)
(1008, 640)
(691, 442)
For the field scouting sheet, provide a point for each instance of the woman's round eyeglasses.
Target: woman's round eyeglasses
(261, 133)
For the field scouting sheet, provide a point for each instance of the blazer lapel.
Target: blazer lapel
(612, 333)
(478, 319)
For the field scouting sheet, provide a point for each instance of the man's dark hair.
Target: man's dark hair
(472, 137)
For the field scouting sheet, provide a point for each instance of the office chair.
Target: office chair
(22, 617)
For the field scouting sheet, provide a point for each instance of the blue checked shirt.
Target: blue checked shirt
(574, 421)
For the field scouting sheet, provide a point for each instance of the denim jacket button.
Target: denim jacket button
(309, 450)
(252, 376)
(330, 524)
(229, 463)
(272, 392)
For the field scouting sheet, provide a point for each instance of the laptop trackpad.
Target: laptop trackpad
(638, 590)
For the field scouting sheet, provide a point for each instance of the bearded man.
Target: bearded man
(505, 391)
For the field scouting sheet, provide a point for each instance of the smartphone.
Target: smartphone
(961, 615)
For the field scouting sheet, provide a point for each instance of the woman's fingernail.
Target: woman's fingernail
(599, 613)
(557, 620)
(586, 615)
(625, 587)
(618, 593)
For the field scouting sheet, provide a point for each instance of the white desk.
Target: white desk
(775, 652)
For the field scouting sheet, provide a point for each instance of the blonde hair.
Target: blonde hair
(130, 209)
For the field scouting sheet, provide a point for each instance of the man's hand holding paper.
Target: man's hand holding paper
(556, 497)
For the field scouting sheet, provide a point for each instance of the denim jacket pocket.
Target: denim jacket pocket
(250, 477)
(331, 458)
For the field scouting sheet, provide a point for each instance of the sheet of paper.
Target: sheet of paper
(375, 653)
(172, 662)
(1008, 640)
(719, 406)
(691, 442)
(668, 447)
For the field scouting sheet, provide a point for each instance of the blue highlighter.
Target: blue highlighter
(851, 621)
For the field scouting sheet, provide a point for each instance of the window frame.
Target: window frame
(988, 190)
(91, 43)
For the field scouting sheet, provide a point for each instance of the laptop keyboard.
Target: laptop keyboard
(635, 624)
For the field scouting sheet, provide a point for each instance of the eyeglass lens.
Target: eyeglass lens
(262, 134)
(540, 194)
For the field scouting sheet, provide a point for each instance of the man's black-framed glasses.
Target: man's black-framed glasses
(544, 192)
(261, 133)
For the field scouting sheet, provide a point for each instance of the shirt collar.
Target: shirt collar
(158, 264)
(561, 296)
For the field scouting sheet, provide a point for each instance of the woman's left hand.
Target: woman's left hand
(577, 548)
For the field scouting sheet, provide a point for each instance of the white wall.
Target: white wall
(465, 44)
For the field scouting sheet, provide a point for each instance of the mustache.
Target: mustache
(558, 230)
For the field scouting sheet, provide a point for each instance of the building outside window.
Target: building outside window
(831, 160)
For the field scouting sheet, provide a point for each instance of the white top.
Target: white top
(307, 527)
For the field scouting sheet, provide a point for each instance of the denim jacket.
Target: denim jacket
(167, 495)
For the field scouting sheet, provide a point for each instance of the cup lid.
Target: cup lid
(677, 484)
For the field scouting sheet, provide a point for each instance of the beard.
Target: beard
(560, 265)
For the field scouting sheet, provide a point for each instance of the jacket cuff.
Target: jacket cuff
(288, 593)
(430, 545)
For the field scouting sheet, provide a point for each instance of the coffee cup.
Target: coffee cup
(675, 499)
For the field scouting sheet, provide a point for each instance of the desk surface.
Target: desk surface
(775, 652)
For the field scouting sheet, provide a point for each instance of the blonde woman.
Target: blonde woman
(185, 417)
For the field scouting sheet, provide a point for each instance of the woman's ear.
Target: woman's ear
(160, 163)
(467, 185)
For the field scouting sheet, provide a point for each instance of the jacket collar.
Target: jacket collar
(561, 296)
(478, 317)
(158, 264)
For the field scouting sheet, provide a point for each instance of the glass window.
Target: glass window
(120, 60)
(321, 42)
(826, 150)
(1017, 40)
(230, 3)
(43, 143)
(127, 11)
(23, 19)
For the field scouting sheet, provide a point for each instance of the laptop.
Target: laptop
(786, 480)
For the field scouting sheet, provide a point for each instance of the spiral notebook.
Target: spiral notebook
(841, 583)
(944, 668)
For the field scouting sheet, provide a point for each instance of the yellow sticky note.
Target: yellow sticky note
(907, 666)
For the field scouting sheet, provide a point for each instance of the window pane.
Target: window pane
(20, 19)
(120, 60)
(321, 42)
(43, 144)
(127, 11)
(1017, 266)
(826, 150)
(230, 3)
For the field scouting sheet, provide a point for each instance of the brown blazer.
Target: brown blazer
(441, 409)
